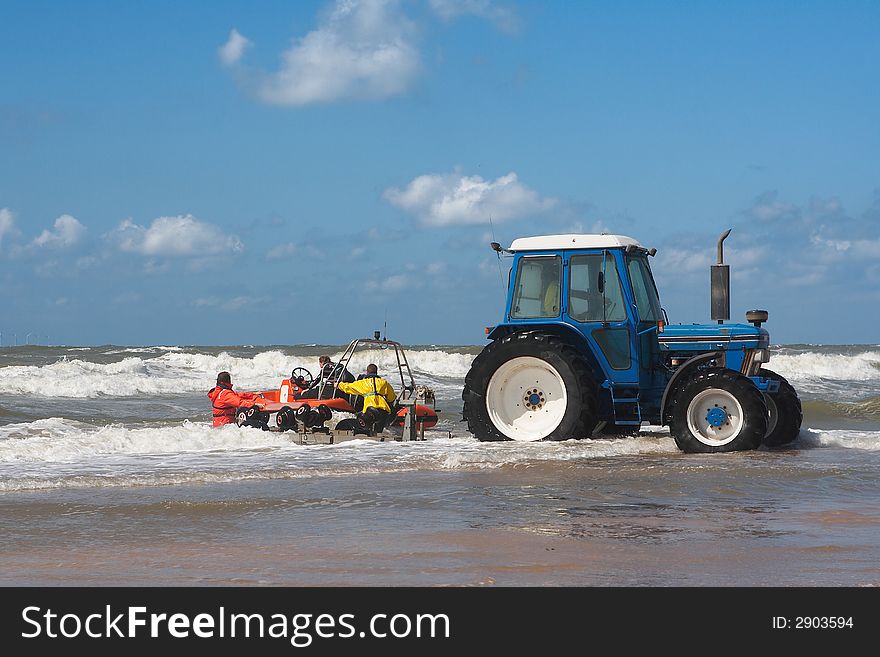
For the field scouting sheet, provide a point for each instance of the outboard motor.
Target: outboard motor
(720, 284)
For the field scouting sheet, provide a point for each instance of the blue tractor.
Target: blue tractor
(585, 348)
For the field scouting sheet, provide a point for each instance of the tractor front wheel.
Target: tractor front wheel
(719, 410)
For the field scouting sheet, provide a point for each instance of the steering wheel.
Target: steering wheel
(305, 374)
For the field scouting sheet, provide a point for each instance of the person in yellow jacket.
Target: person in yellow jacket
(378, 396)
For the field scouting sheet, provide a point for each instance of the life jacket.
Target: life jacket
(375, 390)
(222, 410)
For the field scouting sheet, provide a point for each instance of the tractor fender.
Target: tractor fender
(676, 379)
(565, 332)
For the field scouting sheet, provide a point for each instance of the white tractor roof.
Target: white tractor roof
(572, 241)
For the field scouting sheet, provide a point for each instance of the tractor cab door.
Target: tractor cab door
(597, 303)
(648, 315)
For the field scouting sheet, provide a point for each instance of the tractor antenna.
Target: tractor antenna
(497, 254)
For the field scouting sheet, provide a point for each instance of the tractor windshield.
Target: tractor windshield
(647, 300)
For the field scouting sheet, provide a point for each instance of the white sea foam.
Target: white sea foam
(58, 452)
(424, 361)
(143, 350)
(62, 440)
(864, 366)
(849, 439)
(174, 372)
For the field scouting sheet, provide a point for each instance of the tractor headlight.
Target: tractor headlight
(761, 356)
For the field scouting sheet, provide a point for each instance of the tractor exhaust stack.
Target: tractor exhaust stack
(720, 284)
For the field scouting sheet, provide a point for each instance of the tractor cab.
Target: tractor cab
(598, 291)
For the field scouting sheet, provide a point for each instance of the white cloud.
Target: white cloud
(678, 261)
(447, 199)
(232, 51)
(281, 251)
(127, 297)
(174, 236)
(362, 49)
(7, 223)
(86, 262)
(597, 228)
(846, 249)
(393, 283)
(748, 256)
(767, 207)
(68, 231)
(229, 304)
(503, 17)
(358, 251)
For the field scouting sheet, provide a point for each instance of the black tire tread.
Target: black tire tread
(790, 414)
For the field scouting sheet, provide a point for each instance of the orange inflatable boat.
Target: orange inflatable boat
(284, 409)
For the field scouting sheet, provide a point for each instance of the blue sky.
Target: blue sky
(276, 172)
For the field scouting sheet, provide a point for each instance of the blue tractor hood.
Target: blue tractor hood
(700, 337)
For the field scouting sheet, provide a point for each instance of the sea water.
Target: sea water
(110, 473)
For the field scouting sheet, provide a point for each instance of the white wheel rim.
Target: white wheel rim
(709, 404)
(772, 414)
(526, 399)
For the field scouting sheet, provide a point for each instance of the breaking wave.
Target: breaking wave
(846, 438)
(174, 372)
(830, 384)
(808, 366)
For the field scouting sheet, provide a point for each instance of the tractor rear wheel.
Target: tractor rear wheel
(784, 412)
(529, 386)
(719, 410)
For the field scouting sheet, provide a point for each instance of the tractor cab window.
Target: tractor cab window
(644, 290)
(594, 293)
(537, 288)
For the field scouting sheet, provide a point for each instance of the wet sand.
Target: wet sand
(532, 527)
(466, 558)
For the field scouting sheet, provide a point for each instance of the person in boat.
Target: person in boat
(378, 397)
(225, 401)
(328, 374)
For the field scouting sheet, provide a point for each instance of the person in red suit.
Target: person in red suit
(225, 401)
